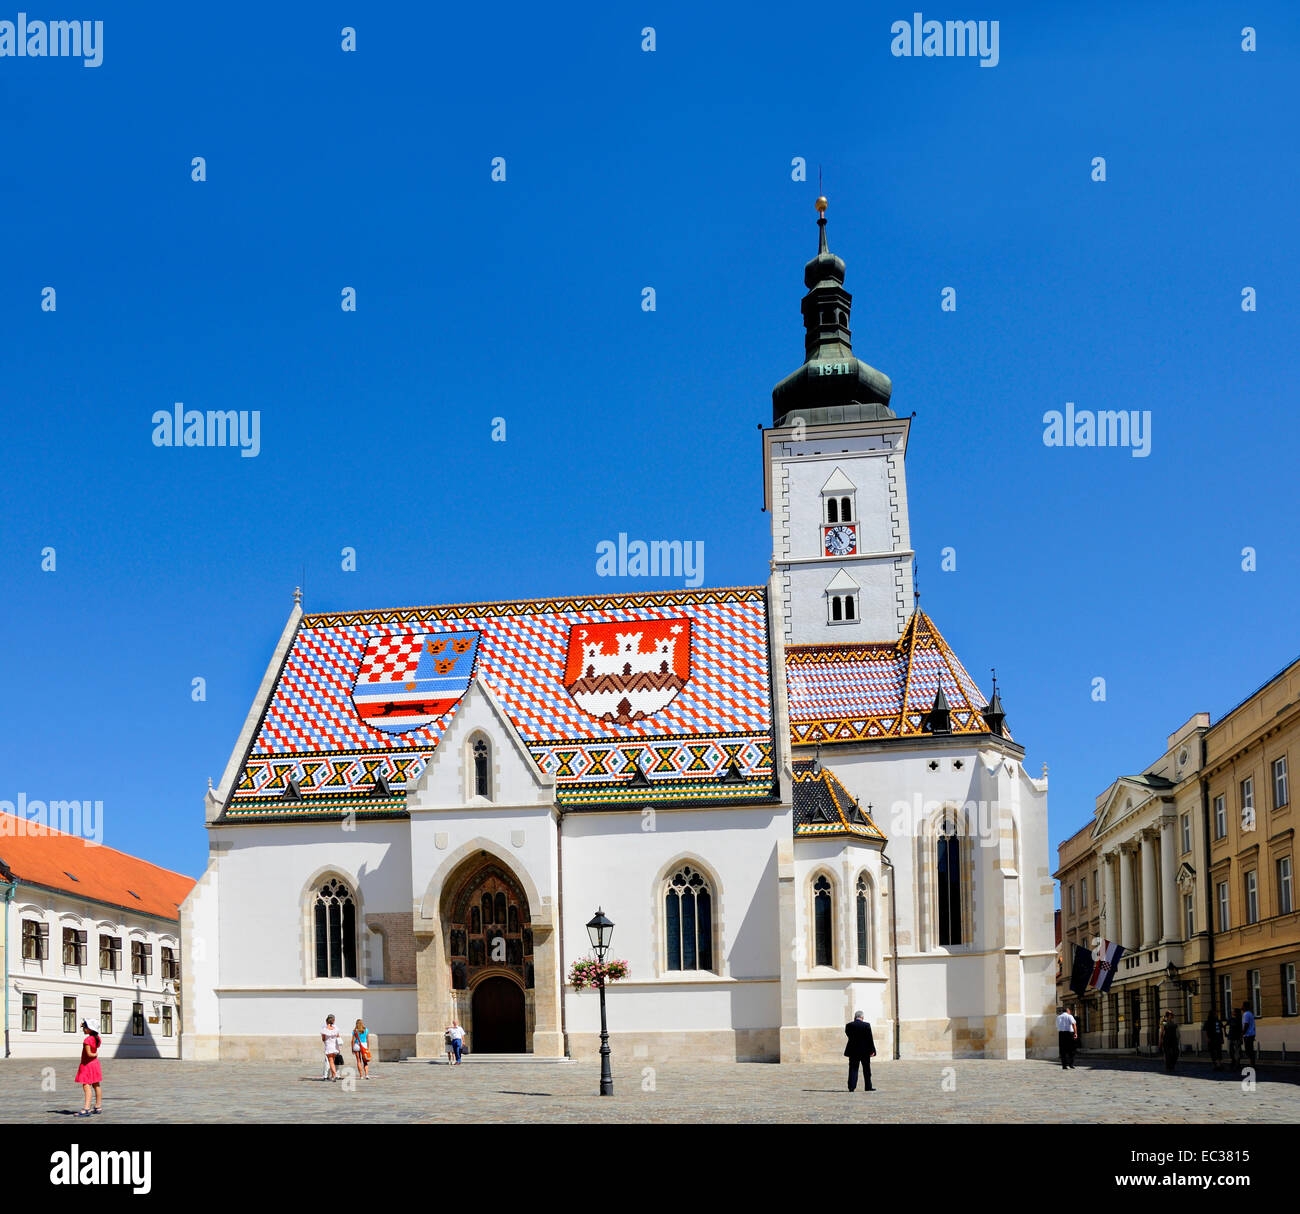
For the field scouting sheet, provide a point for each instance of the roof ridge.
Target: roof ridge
(544, 598)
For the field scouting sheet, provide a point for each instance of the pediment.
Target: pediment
(840, 583)
(839, 483)
(1127, 796)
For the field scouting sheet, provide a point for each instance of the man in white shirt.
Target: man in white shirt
(330, 1036)
(457, 1035)
(1067, 1033)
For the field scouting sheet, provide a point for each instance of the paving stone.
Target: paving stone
(1106, 1091)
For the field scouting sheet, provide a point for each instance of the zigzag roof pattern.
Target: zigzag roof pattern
(879, 690)
(628, 697)
(823, 806)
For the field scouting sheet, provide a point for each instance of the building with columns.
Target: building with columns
(1194, 864)
(1137, 874)
(791, 798)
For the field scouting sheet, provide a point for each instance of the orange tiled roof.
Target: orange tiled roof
(68, 863)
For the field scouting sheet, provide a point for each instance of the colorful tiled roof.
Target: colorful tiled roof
(823, 806)
(41, 856)
(633, 698)
(847, 693)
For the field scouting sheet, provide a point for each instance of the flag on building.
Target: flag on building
(1081, 971)
(1104, 970)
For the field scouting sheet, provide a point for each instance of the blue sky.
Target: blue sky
(522, 299)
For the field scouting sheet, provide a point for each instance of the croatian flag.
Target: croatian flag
(1104, 970)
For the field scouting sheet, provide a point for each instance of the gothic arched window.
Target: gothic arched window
(335, 915)
(688, 921)
(862, 902)
(482, 784)
(948, 872)
(824, 952)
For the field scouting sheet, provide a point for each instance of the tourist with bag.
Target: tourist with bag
(330, 1036)
(361, 1049)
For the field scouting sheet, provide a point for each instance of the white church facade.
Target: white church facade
(791, 799)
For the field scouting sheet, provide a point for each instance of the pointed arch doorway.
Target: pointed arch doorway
(497, 1016)
(489, 934)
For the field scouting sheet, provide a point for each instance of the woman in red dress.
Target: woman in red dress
(88, 1073)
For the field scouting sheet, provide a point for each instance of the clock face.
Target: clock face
(840, 541)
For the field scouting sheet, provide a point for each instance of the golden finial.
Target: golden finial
(821, 204)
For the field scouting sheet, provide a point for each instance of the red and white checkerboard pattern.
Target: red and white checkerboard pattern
(390, 659)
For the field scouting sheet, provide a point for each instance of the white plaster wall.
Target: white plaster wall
(1012, 902)
(299, 1013)
(826, 994)
(265, 878)
(200, 929)
(872, 458)
(611, 862)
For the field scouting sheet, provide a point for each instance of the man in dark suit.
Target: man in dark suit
(861, 1049)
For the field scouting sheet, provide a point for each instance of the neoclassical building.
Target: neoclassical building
(1190, 866)
(791, 798)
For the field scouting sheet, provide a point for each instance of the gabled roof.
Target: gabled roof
(629, 698)
(38, 855)
(823, 806)
(847, 693)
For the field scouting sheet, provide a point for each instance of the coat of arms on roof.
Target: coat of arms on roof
(627, 671)
(406, 680)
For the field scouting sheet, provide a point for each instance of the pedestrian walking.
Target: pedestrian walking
(457, 1035)
(1248, 1032)
(361, 1049)
(89, 1074)
(1213, 1030)
(1169, 1042)
(1234, 1037)
(860, 1050)
(1067, 1036)
(330, 1036)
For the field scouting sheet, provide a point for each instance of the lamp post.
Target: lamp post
(600, 929)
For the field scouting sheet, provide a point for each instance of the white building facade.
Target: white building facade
(74, 955)
(790, 798)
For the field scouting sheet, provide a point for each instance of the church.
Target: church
(791, 799)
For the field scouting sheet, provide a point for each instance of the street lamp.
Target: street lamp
(600, 930)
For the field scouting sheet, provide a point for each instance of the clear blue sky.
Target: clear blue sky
(522, 300)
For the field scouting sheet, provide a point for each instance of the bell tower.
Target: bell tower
(835, 482)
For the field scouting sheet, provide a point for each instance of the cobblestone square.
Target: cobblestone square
(967, 1091)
